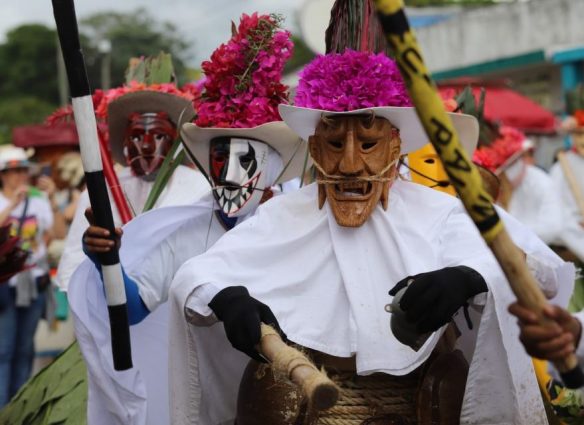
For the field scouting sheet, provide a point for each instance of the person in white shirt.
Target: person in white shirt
(23, 296)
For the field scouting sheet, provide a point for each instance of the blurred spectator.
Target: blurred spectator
(63, 184)
(23, 298)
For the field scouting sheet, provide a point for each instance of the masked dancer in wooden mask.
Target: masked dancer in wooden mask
(326, 261)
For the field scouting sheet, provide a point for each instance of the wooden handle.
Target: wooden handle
(320, 391)
(572, 182)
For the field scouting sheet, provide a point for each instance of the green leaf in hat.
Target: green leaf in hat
(151, 69)
(467, 104)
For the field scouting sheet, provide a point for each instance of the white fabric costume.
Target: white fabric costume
(184, 187)
(536, 204)
(154, 246)
(572, 232)
(328, 286)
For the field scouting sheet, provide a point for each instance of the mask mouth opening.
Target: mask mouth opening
(232, 198)
(353, 190)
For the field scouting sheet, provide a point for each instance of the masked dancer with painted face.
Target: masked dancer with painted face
(330, 260)
(240, 142)
(143, 120)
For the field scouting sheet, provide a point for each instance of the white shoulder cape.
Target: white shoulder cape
(328, 286)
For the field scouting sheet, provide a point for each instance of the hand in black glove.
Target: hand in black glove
(434, 297)
(242, 316)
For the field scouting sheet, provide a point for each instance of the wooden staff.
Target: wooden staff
(64, 11)
(572, 182)
(462, 173)
(320, 391)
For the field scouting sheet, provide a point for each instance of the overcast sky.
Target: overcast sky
(206, 23)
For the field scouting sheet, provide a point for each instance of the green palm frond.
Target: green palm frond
(55, 396)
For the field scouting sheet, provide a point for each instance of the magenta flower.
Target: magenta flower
(242, 85)
(340, 82)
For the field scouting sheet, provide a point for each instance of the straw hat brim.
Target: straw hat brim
(179, 110)
(276, 134)
(304, 121)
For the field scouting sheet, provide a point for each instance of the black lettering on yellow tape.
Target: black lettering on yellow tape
(396, 23)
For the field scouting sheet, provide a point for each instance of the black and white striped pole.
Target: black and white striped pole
(64, 11)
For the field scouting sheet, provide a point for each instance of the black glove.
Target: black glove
(434, 297)
(242, 316)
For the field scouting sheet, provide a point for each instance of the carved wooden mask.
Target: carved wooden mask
(354, 153)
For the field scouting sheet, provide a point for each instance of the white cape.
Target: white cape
(328, 285)
(138, 396)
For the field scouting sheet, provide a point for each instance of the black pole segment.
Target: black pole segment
(64, 11)
(102, 213)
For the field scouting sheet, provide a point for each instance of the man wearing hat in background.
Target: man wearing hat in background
(23, 297)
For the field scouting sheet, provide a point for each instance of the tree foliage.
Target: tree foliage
(21, 110)
(28, 63)
(301, 55)
(131, 35)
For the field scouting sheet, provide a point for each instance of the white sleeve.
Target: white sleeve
(157, 270)
(197, 308)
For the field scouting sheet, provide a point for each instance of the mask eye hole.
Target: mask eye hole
(219, 157)
(335, 144)
(368, 145)
(246, 160)
(429, 161)
(136, 138)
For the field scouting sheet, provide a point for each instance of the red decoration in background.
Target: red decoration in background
(505, 106)
(493, 156)
(579, 115)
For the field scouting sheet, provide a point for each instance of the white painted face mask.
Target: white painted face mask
(238, 170)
